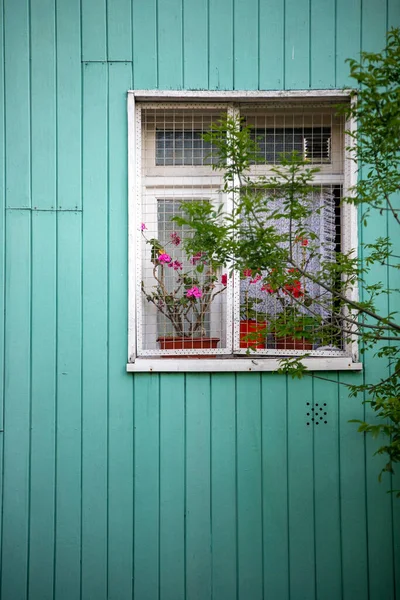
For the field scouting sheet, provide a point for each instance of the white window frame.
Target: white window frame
(252, 362)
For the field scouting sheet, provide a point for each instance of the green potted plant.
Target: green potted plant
(183, 292)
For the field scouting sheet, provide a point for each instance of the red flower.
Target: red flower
(293, 289)
(301, 240)
(247, 273)
(267, 288)
(297, 293)
(224, 279)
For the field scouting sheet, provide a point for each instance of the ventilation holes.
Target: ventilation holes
(318, 414)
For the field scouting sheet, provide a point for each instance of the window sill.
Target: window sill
(219, 365)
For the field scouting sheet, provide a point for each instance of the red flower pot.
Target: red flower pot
(291, 343)
(187, 343)
(257, 332)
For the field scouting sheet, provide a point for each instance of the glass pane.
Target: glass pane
(177, 148)
(310, 143)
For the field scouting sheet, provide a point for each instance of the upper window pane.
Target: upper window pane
(177, 148)
(312, 143)
(174, 138)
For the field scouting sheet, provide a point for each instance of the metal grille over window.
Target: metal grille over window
(316, 136)
(185, 307)
(263, 302)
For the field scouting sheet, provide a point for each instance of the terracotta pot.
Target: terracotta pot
(290, 343)
(252, 327)
(187, 343)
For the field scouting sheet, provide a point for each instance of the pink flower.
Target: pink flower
(175, 239)
(175, 265)
(256, 279)
(194, 292)
(224, 279)
(304, 242)
(247, 273)
(164, 258)
(143, 226)
(196, 257)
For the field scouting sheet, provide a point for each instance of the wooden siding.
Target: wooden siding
(164, 486)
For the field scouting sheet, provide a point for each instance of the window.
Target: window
(178, 309)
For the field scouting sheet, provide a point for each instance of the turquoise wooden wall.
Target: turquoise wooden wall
(167, 486)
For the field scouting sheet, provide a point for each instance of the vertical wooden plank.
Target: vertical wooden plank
(95, 332)
(147, 474)
(396, 532)
(119, 27)
(249, 490)
(323, 35)
(43, 100)
(223, 485)
(69, 405)
(327, 487)
(195, 44)
(379, 510)
(198, 493)
(246, 45)
(2, 217)
(301, 489)
(69, 110)
(221, 45)
(2, 258)
(275, 486)
(170, 42)
(145, 43)
(352, 492)
(94, 30)
(120, 494)
(172, 487)
(393, 14)
(41, 538)
(393, 301)
(16, 406)
(348, 38)
(297, 44)
(17, 90)
(374, 23)
(272, 44)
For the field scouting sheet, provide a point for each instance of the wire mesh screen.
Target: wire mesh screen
(184, 302)
(174, 148)
(184, 307)
(316, 135)
(312, 131)
(298, 298)
(313, 143)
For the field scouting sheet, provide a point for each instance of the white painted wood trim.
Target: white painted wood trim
(239, 365)
(350, 216)
(131, 229)
(234, 95)
(179, 96)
